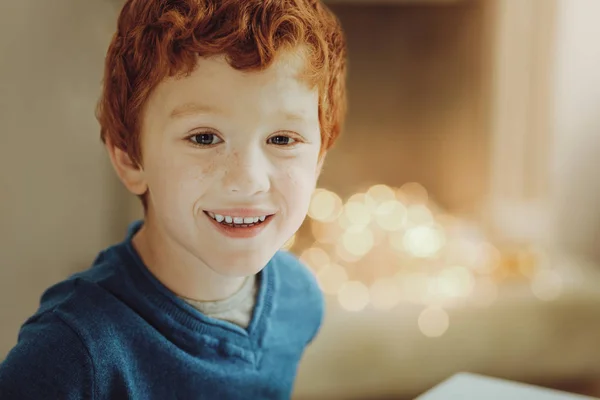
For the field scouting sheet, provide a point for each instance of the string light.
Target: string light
(434, 322)
(353, 296)
(324, 206)
(390, 245)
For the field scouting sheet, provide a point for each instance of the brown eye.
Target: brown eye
(281, 140)
(205, 139)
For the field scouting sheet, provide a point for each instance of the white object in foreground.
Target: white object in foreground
(467, 386)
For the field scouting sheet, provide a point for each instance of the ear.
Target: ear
(130, 173)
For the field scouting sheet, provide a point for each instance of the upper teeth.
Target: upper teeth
(237, 220)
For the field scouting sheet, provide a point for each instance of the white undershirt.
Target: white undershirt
(237, 308)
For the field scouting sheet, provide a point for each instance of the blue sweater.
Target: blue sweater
(115, 332)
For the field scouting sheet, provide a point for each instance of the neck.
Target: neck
(180, 271)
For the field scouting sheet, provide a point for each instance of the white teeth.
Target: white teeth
(236, 220)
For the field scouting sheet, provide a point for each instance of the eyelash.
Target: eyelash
(194, 143)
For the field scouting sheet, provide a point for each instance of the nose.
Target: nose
(247, 174)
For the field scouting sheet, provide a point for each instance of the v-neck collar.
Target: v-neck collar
(188, 321)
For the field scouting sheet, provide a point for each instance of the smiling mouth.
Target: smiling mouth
(238, 222)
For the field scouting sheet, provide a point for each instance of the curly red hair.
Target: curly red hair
(156, 39)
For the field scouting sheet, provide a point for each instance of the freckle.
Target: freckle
(209, 168)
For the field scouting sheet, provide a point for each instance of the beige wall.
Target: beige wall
(417, 111)
(576, 167)
(57, 192)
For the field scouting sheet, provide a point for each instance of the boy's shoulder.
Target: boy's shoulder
(294, 273)
(300, 297)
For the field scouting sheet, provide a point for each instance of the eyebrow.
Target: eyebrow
(193, 108)
(188, 109)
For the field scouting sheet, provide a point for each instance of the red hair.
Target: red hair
(156, 39)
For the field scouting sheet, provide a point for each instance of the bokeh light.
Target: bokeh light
(414, 191)
(343, 254)
(390, 215)
(331, 278)
(324, 205)
(390, 245)
(353, 296)
(377, 195)
(423, 241)
(325, 232)
(357, 213)
(315, 258)
(455, 281)
(419, 214)
(358, 240)
(434, 322)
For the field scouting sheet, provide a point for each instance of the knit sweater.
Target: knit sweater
(115, 332)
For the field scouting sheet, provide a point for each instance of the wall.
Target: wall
(577, 120)
(56, 186)
(416, 106)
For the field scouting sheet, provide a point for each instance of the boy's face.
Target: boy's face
(223, 143)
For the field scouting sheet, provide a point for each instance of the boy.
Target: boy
(218, 115)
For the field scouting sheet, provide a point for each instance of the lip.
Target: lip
(243, 212)
(240, 233)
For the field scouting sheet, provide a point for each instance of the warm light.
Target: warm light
(353, 296)
(396, 240)
(324, 205)
(344, 254)
(384, 294)
(290, 243)
(331, 278)
(485, 292)
(325, 232)
(357, 213)
(487, 260)
(413, 286)
(433, 322)
(415, 192)
(391, 215)
(459, 250)
(423, 241)
(419, 214)
(356, 198)
(343, 221)
(315, 257)
(377, 195)
(547, 285)
(455, 282)
(358, 240)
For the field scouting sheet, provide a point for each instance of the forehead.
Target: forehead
(214, 83)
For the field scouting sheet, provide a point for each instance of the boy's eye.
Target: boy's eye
(205, 139)
(281, 140)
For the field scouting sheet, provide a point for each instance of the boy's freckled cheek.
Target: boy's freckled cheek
(298, 179)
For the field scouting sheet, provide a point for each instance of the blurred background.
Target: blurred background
(456, 226)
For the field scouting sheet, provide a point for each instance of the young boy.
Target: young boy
(218, 114)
